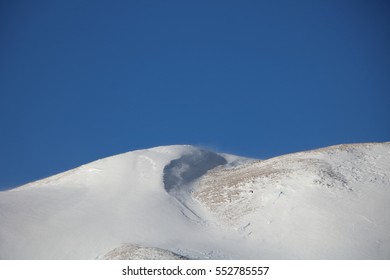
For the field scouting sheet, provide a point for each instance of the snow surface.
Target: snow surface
(185, 202)
(134, 252)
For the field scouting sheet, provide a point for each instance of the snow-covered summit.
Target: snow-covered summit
(185, 202)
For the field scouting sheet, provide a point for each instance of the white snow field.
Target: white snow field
(183, 202)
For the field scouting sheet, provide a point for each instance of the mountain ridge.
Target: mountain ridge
(186, 202)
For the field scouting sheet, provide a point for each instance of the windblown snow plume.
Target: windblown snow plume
(182, 202)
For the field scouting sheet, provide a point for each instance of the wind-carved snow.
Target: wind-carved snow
(295, 204)
(185, 202)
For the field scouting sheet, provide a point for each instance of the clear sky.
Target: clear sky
(82, 80)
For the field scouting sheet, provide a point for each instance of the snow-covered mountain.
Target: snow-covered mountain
(183, 202)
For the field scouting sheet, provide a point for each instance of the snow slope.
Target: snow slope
(184, 202)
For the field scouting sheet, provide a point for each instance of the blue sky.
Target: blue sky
(82, 80)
